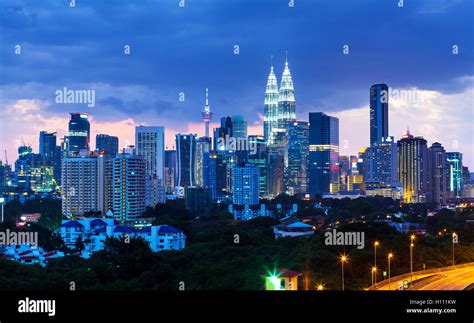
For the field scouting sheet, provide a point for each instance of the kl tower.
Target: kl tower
(207, 114)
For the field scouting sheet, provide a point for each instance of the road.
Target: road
(452, 279)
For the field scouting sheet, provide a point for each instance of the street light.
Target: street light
(343, 259)
(390, 256)
(320, 287)
(376, 244)
(455, 240)
(374, 272)
(412, 238)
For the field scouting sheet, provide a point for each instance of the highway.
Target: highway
(448, 279)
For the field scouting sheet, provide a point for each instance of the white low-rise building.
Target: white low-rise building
(94, 232)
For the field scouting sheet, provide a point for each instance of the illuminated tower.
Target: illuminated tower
(286, 100)
(207, 114)
(270, 122)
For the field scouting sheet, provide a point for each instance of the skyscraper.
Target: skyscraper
(207, 114)
(378, 113)
(260, 158)
(50, 153)
(270, 118)
(186, 160)
(80, 185)
(454, 173)
(203, 145)
(413, 168)
(239, 127)
(245, 189)
(150, 143)
(209, 174)
(381, 161)
(286, 100)
(297, 156)
(106, 144)
(170, 170)
(223, 132)
(437, 173)
(323, 153)
(128, 183)
(79, 133)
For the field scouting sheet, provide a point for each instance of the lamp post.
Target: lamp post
(374, 272)
(412, 238)
(343, 259)
(455, 240)
(376, 244)
(390, 256)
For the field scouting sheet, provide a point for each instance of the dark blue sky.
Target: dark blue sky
(176, 49)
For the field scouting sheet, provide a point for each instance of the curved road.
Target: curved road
(452, 279)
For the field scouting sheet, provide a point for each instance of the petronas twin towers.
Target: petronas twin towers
(279, 105)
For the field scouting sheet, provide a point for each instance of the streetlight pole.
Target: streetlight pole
(390, 255)
(455, 236)
(376, 244)
(412, 238)
(374, 272)
(343, 260)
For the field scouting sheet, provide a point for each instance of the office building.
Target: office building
(297, 158)
(454, 174)
(79, 133)
(378, 113)
(186, 160)
(108, 145)
(245, 189)
(323, 153)
(437, 169)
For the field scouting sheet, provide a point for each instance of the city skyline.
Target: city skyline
(149, 94)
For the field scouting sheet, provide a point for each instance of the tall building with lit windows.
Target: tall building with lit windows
(186, 160)
(128, 186)
(296, 173)
(413, 164)
(79, 133)
(245, 189)
(259, 157)
(270, 121)
(454, 173)
(323, 156)
(381, 161)
(150, 144)
(286, 100)
(438, 170)
(378, 113)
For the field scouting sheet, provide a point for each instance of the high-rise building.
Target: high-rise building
(270, 118)
(203, 145)
(381, 161)
(209, 172)
(128, 183)
(186, 160)
(207, 115)
(323, 153)
(276, 164)
(259, 157)
(378, 113)
(413, 168)
(454, 174)
(170, 170)
(437, 173)
(51, 153)
(150, 143)
(245, 189)
(32, 174)
(286, 100)
(106, 144)
(79, 133)
(239, 127)
(80, 185)
(297, 158)
(47, 146)
(222, 133)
